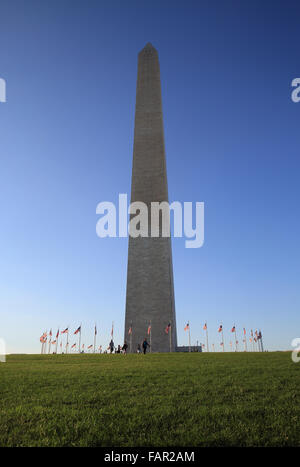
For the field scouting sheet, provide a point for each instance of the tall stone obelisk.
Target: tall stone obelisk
(150, 289)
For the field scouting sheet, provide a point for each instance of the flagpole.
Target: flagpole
(131, 337)
(236, 348)
(95, 338)
(223, 339)
(207, 339)
(67, 343)
(261, 341)
(45, 343)
(213, 347)
(79, 338)
(49, 342)
(150, 337)
(170, 337)
(258, 342)
(189, 338)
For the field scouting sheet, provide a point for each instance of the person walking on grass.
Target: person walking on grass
(145, 345)
(111, 346)
(124, 348)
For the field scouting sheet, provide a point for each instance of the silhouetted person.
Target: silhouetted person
(111, 346)
(145, 345)
(124, 348)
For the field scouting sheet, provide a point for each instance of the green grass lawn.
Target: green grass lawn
(209, 399)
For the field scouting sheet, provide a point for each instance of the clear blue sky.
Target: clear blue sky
(66, 140)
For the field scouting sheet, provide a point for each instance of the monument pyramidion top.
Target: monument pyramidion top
(148, 49)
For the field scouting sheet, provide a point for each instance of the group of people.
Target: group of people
(123, 349)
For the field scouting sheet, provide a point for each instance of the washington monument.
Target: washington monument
(150, 307)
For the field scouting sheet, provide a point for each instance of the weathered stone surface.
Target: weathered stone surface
(150, 289)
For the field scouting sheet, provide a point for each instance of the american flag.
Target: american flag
(220, 328)
(205, 327)
(77, 330)
(90, 346)
(149, 329)
(168, 328)
(233, 329)
(66, 330)
(130, 330)
(187, 326)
